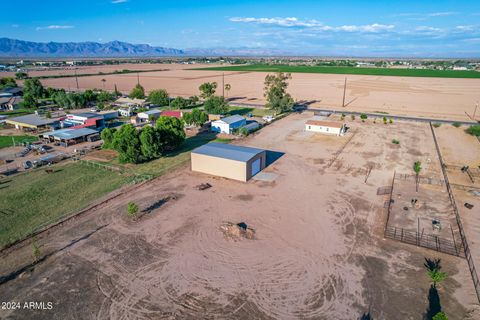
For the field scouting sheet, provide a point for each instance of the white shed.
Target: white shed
(145, 116)
(228, 124)
(327, 127)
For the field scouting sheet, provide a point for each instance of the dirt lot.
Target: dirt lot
(428, 97)
(318, 251)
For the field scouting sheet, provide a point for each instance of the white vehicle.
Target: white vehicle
(268, 118)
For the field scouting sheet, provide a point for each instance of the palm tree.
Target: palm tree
(103, 82)
(227, 87)
(417, 167)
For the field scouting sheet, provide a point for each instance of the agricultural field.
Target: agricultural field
(393, 72)
(7, 141)
(436, 97)
(314, 255)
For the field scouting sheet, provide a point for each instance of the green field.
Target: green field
(243, 111)
(34, 199)
(351, 70)
(6, 141)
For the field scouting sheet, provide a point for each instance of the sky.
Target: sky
(321, 28)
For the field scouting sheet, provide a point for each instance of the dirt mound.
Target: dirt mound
(237, 230)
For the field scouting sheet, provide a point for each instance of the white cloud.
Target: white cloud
(442, 14)
(284, 22)
(373, 28)
(314, 24)
(119, 1)
(466, 28)
(53, 27)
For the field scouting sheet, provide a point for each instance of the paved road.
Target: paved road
(407, 118)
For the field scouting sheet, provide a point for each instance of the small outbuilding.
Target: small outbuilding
(228, 161)
(228, 124)
(327, 127)
(67, 137)
(149, 114)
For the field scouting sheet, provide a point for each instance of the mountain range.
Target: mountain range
(25, 49)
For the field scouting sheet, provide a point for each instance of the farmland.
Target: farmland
(429, 73)
(34, 199)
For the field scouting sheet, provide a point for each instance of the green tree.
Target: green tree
(228, 87)
(187, 118)
(437, 276)
(417, 167)
(171, 132)
(7, 82)
(199, 117)
(193, 100)
(207, 89)
(32, 91)
(21, 75)
(138, 92)
(158, 97)
(215, 105)
(126, 142)
(107, 137)
(151, 144)
(364, 117)
(132, 209)
(440, 316)
(179, 103)
(104, 96)
(275, 91)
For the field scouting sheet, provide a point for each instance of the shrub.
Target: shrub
(343, 116)
(363, 116)
(474, 130)
(437, 125)
(132, 209)
(390, 121)
(352, 116)
(456, 124)
(385, 120)
(395, 141)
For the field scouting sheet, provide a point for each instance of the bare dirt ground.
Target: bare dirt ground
(441, 98)
(318, 250)
(460, 149)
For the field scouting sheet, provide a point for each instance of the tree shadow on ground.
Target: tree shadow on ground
(434, 305)
(366, 316)
(240, 111)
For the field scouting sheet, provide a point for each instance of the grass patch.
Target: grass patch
(351, 70)
(6, 141)
(243, 111)
(34, 199)
(456, 124)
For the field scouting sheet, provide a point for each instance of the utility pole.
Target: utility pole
(138, 79)
(475, 111)
(76, 78)
(344, 91)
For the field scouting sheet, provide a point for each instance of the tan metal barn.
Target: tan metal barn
(228, 161)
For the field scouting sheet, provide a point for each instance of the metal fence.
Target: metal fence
(428, 241)
(468, 256)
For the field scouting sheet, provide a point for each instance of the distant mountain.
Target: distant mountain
(25, 49)
(20, 48)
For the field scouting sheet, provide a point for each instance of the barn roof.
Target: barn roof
(228, 151)
(232, 119)
(70, 133)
